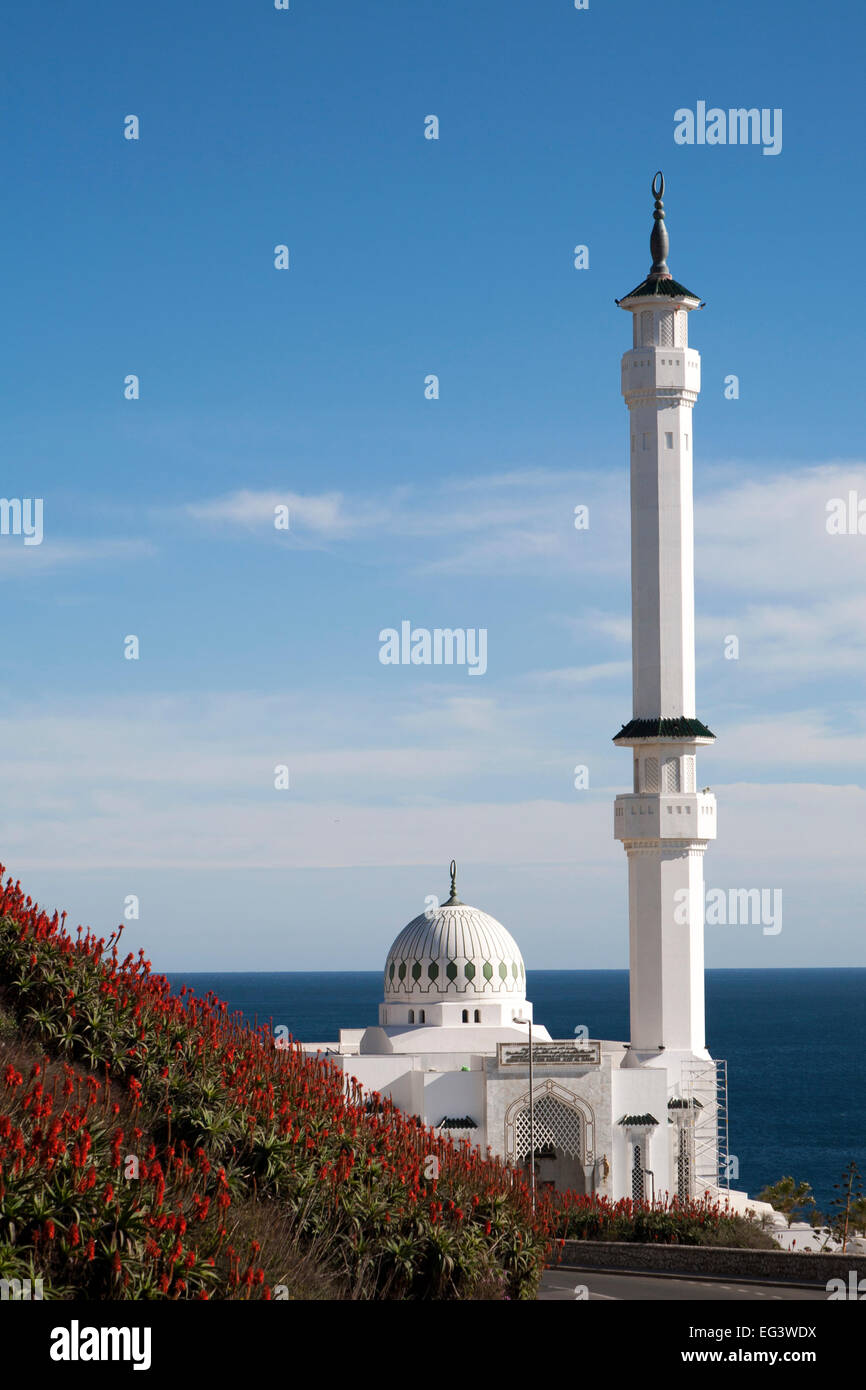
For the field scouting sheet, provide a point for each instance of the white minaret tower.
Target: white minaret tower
(664, 823)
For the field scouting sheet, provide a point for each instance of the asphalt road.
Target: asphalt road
(562, 1284)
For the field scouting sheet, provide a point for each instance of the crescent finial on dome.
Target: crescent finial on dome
(453, 901)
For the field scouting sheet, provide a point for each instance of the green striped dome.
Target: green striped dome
(454, 951)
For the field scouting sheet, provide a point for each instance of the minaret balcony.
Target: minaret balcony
(660, 373)
(665, 816)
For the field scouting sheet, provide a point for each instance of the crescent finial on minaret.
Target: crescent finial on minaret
(659, 244)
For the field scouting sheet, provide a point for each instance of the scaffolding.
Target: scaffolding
(705, 1089)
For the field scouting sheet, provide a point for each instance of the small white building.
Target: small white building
(623, 1119)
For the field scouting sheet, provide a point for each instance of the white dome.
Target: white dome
(454, 951)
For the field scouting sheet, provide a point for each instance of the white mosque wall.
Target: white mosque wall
(433, 1094)
(375, 1073)
(638, 1092)
(407, 1092)
(589, 1104)
(455, 1094)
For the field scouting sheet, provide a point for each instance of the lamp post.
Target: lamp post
(528, 1021)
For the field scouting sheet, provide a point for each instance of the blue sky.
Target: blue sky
(409, 257)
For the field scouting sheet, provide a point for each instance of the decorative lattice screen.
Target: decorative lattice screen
(555, 1124)
(637, 1189)
(684, 1176)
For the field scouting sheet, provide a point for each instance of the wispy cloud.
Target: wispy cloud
(326, 514)
(523, 520)
(582, 675)
(18, 560)
(753, 538)
(175, 780)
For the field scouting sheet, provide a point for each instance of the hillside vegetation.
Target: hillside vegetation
(151, 1146)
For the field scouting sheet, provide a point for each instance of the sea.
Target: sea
(794, 1042)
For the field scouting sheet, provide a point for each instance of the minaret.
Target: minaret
(664, 823)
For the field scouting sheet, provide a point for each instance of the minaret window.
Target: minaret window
(422, 1017)
(646, 328)
(477, 1015)
(411, 1015)
(671, 774)
(646, 440)
(465, 1015)
(666, 330)
(688, 774)
(680, 328)
(651, 774)
(669, 439)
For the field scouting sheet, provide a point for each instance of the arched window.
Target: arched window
(411, 1015)
(465, 1015)
(422, 1017)
(477, 1015)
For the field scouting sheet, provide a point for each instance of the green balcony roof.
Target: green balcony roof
(669, 289)
(679, 728)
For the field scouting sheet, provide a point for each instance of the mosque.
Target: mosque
(455, 1042)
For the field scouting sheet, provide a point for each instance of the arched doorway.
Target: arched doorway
(563, 1138)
